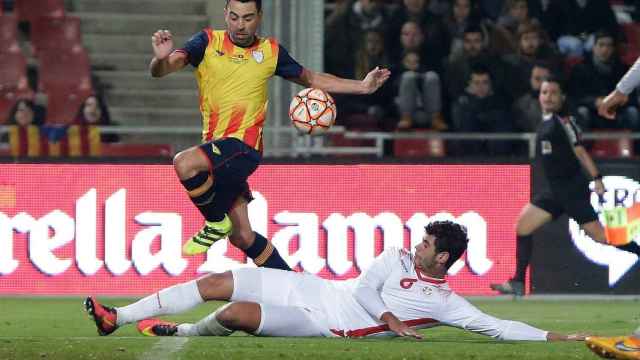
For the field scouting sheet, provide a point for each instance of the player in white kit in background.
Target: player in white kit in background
(396, 295)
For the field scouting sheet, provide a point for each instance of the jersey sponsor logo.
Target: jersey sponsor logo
(427, 290)
(215, 149)
(407, 283)
(220, 53)
(546, 147)
(258, 56)
(620, 191)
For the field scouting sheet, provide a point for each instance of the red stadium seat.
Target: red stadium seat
(8, 34)
(630, 50)
(613, 148)
(13, 71)
(361, 122)
(418, 148)
(63, 103)
(54, 33)
(137, 150)
(29, 10)
(570, 62)
(63, 69)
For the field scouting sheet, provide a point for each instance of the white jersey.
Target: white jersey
(630, 80)
(391, 284)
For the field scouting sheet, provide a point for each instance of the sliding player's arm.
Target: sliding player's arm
(458, 312)
(165, 60)
(367, 293)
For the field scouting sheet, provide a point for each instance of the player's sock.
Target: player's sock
(265, 254)
(524, 247)
(631, 247)
(172, 300)
(202, 193)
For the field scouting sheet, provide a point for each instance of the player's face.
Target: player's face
(551, 97)
(242, 21)
(425, 254)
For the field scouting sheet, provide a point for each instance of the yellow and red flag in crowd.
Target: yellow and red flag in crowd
(54, 141)
(622, 225)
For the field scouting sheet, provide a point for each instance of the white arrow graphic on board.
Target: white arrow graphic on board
(619, 261)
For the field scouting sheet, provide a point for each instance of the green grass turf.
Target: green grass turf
(57, 328)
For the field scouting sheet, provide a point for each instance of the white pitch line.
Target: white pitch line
(163, 349)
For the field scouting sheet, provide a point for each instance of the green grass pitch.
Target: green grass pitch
(58, 328)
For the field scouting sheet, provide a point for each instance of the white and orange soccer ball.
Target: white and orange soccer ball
(312, 111)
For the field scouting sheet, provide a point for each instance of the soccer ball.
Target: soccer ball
(312, 111)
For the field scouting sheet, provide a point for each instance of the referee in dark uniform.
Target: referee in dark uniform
(563, 157)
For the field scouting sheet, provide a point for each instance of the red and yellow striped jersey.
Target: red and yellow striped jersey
(233, 83)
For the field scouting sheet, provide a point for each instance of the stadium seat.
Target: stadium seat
(29, 10)
(54, 33)
(613, 148)
(570, 62)
(63, 103)
(13, 70)
(360, 122)
(418, 148)
(8, 34)
(63, 69)
(630, 50)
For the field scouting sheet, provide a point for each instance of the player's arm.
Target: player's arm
(333, 84)
(458, 312)
(291, 70)
(367, 293)
(620, 95)
(165, 60)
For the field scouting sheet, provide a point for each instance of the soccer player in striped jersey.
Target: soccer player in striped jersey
(399, 293)
(232, 68)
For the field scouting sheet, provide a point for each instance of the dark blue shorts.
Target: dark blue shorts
(231, 162)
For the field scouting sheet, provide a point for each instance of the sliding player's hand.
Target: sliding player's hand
(610, 104)
(401, 329)
(162, 42)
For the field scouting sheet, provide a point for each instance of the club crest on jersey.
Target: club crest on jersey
(258, 56)
(546, 148)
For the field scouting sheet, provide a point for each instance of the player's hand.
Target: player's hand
(401, 329)
(162, 42)
(598, 187)
(375, 79)
(610, 104)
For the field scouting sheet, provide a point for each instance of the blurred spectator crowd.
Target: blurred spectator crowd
(477, 65)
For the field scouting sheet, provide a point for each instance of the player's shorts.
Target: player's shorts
(291, 303)
(568, 196)
(231, 162)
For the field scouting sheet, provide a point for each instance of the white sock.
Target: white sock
(172, 300)
(209, 326)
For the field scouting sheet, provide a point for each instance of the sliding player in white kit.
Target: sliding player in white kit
(398, 294)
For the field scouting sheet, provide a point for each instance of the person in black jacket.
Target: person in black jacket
(563, 158)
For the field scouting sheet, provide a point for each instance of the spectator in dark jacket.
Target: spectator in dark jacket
(94, 111)
(592, 80)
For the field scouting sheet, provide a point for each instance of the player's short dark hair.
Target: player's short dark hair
(258, 3)
(450, 237)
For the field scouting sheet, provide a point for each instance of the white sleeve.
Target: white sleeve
(630, 80)
(367, 292)
(460, 313)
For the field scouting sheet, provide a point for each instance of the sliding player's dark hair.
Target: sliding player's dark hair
(258, 3)
(450, 237)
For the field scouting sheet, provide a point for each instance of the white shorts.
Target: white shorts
(292, 304)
